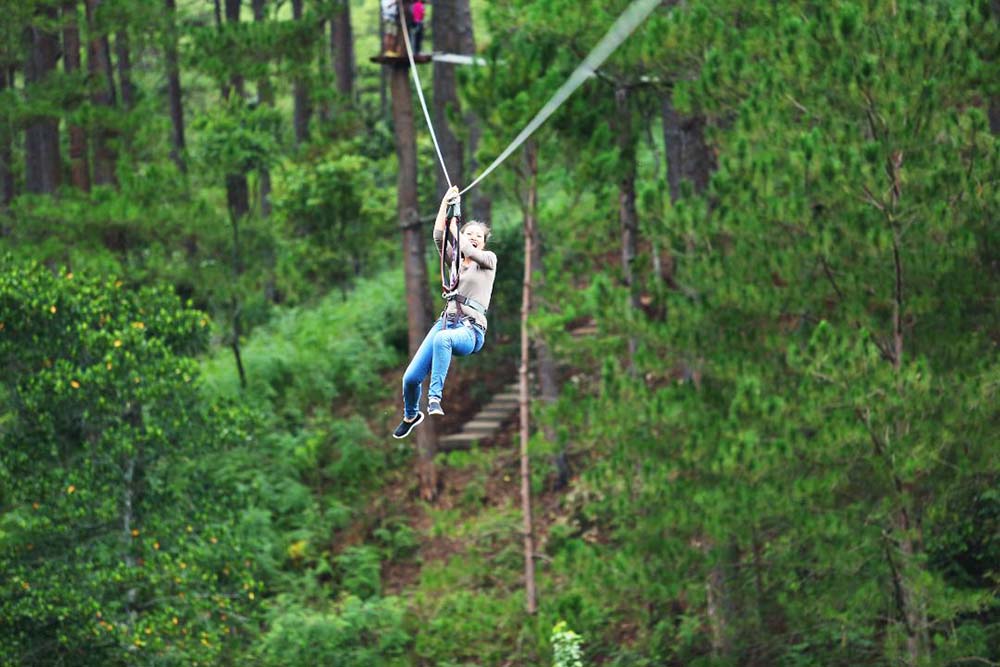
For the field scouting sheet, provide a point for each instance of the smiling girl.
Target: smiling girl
(461, 329)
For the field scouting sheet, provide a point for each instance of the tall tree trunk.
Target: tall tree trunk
(688, 156)
(444, 23)
(545, 363)
(265, 93)
(236, 81)
(415, 266)
(994, 110)
(128, 525)
(42, 131)
(238, 203)
(6, 144)
(174, 88)
(99, 69)
(237, 190)
(531, 601)
(481, 205)
(908, 531)
(627, 215)
(78, 163)
(123, 53)
(325, 79)
(717, 608)
(300, 91)
(342, 49)
(383, 76)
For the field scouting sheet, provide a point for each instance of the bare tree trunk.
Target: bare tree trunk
(174, 94)
(237, 190)
(238, 203)
(127, 526)
(78, 163)
(42, 131)
(123, 54)
(994, 110)
(6, 145)
(383, 78)
(444, 23)
(627, 215)
(481, 205)
(688, 156)
(342, 49)
(265, 93)
(715, 603)
(907, 531)
(415, 266)
(236, 81)
(300, 91)
(99, 68)
(529, 235)
(325, 79)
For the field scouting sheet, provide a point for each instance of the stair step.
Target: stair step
(480, 424)
(501, 405)
(460, 437)
(458, 441)
(496, 413)
(499, 410)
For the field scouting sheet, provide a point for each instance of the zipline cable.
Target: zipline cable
(420, 92)
(626, 24)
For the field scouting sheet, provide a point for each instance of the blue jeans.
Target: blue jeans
(434, 356)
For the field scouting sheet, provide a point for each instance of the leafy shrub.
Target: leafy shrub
(352, 633)
(361, 571)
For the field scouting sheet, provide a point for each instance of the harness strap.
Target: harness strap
(450, 259)
(463, 300)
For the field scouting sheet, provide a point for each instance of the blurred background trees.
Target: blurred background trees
(774, 445)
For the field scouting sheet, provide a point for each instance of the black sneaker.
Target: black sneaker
(405, 427)
(434, 406)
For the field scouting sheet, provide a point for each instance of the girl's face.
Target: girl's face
(475, 234)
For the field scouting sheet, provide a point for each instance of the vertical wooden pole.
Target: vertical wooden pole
(174, 95)
(414, 259)
(79, 165)
(529, 226)
(342, 49)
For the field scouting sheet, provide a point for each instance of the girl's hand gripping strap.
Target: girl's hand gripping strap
(449, 247)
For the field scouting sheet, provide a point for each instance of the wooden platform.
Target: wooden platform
(401, 59)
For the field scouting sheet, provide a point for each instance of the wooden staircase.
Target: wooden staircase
(487, 422)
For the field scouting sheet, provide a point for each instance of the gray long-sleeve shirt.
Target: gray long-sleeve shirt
(475, 280)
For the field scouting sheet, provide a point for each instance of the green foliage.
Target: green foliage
(360, 571)
(238, 137)
(566, 646)
(117, 536)
(350, 633)
(319, 356)
(397, 539)
(797, 468)
(339, 224)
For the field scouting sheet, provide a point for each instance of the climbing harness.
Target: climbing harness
(624, 26)
(463, 300)
(451, 267)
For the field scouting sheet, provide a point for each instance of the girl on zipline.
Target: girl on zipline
(461, 329)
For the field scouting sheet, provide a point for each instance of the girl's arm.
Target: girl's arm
(487, 259)
(443, 210)
(441, 221)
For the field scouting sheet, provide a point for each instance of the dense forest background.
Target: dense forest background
(764, 267)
